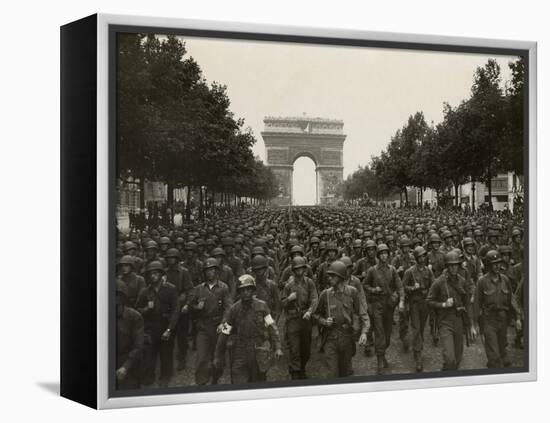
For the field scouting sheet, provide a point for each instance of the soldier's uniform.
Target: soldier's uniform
(418, 306)
(268, 291)
(216, 301)
(252, 335)
(402, 263)
(135, 284)
(129, 346)
(297, 329)
(383, 303)
(163, 315)
(494, 305)
(344, 306)
(180, 277)
(451, 320)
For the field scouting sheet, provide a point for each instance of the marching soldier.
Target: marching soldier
(159, 306)
(386, 290)
(252, 334)
(342, 317)
(448, 296)
(402, 262)
(225, 273)
(181, 278)
(134, 283)
(210, 301)
(192, 263)
(514, 272)
(436, 263)
(299, 300)
(494, 307)
(232, 261)
(129, 341)
(417, 281)
(322, 275)
(517, 247)
(266, 289)
(361, 270)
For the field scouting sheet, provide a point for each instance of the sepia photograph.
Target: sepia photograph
(294, 211)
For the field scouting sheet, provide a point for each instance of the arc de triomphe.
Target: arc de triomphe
(322, 140)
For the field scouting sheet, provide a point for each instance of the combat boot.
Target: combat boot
(379, 364)
(418, 361)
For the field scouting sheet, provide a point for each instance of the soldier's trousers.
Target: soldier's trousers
(338, 353)
(495, 331)
(182, 331)
(419, 315)
(370, 332)
(451, 333)
(244, 366)
(207, 338)
(165, 351)
(382, 313)
(298, 334)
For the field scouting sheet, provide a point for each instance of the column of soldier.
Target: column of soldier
(239, 290)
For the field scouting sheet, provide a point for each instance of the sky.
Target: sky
(372, 90)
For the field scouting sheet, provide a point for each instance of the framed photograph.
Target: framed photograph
(253, 211)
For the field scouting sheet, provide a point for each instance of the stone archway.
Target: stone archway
(322, 140)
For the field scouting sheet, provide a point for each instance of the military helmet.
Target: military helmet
(218, 252)
(357, 243)
(154, 265)
(452, 258)
(259, 262)
(298, 262)
(190, 246)
(381, 248)
(492, 233)
(246, 281)
(210, 263)
(314, 240)
(419, 252)
(516, 232)
(127, 260)
(467, 241)
(338, 268)
(347, 261)
(164, 240)
(404, 241)
(121, 287)
(370, 244)
(297, 249)
(228, 242)
(129, 245)
(492, 257)
(459, 252)
(504, 249)
(149, 245)
(331, 246)
(446, 234)
(435, 238)
(258, 251)
(347, 235)
(172, 252)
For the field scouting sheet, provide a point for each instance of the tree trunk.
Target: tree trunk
(141, 193)
(188, 205)
(201, 205)
(489, 187)
(170, 195)
(473, 195)
(406, 197)
(421, 198)
(456, 194)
